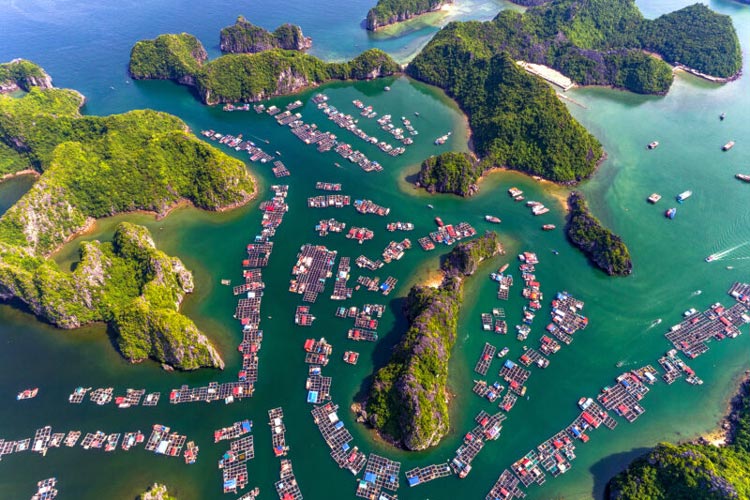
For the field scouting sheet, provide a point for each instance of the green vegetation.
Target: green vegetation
(167, 57)
(600, 42)
(603, 248)
(22, 74)
(692, 471)
(516, 119)
(393, 11)
(244, 37)
(450, 172)
(156, 492)
(92, 167)
(698, 38)
(248, 77)
(408, 398)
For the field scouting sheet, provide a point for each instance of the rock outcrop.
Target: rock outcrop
(408, 400)
(388, 12)
(451, 172)
(245, 37)
(604, 249)
(156, 492)
(20, 74)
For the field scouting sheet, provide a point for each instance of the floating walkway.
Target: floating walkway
(380, 473)
(337, 437)
(278, 432)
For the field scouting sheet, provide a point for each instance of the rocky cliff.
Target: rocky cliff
(451, 172)
(408, 400)
(247, 77)
(395, 11)
(245, 37)
(93, 167)
(603, 248)
(20, 74)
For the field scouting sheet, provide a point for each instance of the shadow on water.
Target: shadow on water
(384, 347)
(607, 468)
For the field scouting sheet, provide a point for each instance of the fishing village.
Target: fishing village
(376, 476)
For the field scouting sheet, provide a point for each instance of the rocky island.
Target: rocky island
(244, 37)
(695, 470)
(91, 167)
(246, 77)
(20, 74)
(604, 249)
(394, 11)
(450, 172)
(408, 401)
(156, 492)
(603, 42)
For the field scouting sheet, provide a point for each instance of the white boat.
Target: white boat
(684, 196)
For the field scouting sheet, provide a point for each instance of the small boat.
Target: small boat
(684, 196)
(654, 198)
(555, 252)
(548, 227)
(722, 116)
(27, 394)
(585, 402)
(226, 282)
(653, 145)
(502, 269)
(727, 146)
(730, 268)
(492, 218)
(669, 214)
(430, 206)
(387, 88)
(503, 352)
(711, 257)
(416, 113)
(439, 221)
(743, 177)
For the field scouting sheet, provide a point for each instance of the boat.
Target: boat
(502, 269)
(503, 352)
(727, 146)
(492, 218)
(722, 116)
(654, 198)
(439, 221)
(669, 214)
(743, 177)
(585, 402)
(351, 357)
(387, 88)
(416, 113)
(430, 206)
(711, 257)
(653, 145)
(548, 227)
(684, 196)
(729, 268)
(27, 394)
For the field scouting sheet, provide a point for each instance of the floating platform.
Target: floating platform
(278, 432)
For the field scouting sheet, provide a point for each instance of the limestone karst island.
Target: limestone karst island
(377, 249)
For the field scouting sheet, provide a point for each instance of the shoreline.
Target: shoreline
(723, 433)
(20, 173)
(91, 223)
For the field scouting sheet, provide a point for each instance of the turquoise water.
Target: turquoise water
(86, 47)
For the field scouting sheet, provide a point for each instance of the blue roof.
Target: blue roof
(370, 477)
(509, 363)
(345, 446)
(247, 426)
(413, 481)
(312, 397)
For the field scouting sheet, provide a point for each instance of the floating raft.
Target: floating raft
(250, 495)
(503, 286)
(287, 487)
(485, 359)
(533, 357)
(329, 226)
(360, 334)
(395, 250)
(566, 319)
(162, 442)
(337, 437)
(278, 432)
(515, 376)
(45, 489)
(212, 392)
(313, 268)
(78, 394)
(233, 464)
(234, 431)
(329, 201)
(279, 170)
(528, 469)
(132, 439)
(318, 389)
(340, 290)
(692, 335)
(380, 473)
(132, 397)
(328, 186)
(372, 265)
(505, 488)
(369, 207)
(421, 475)
(101, 396)
(548, 346)
(624, 396)
(318, 351)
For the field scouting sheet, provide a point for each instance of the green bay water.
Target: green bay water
(86, 47)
